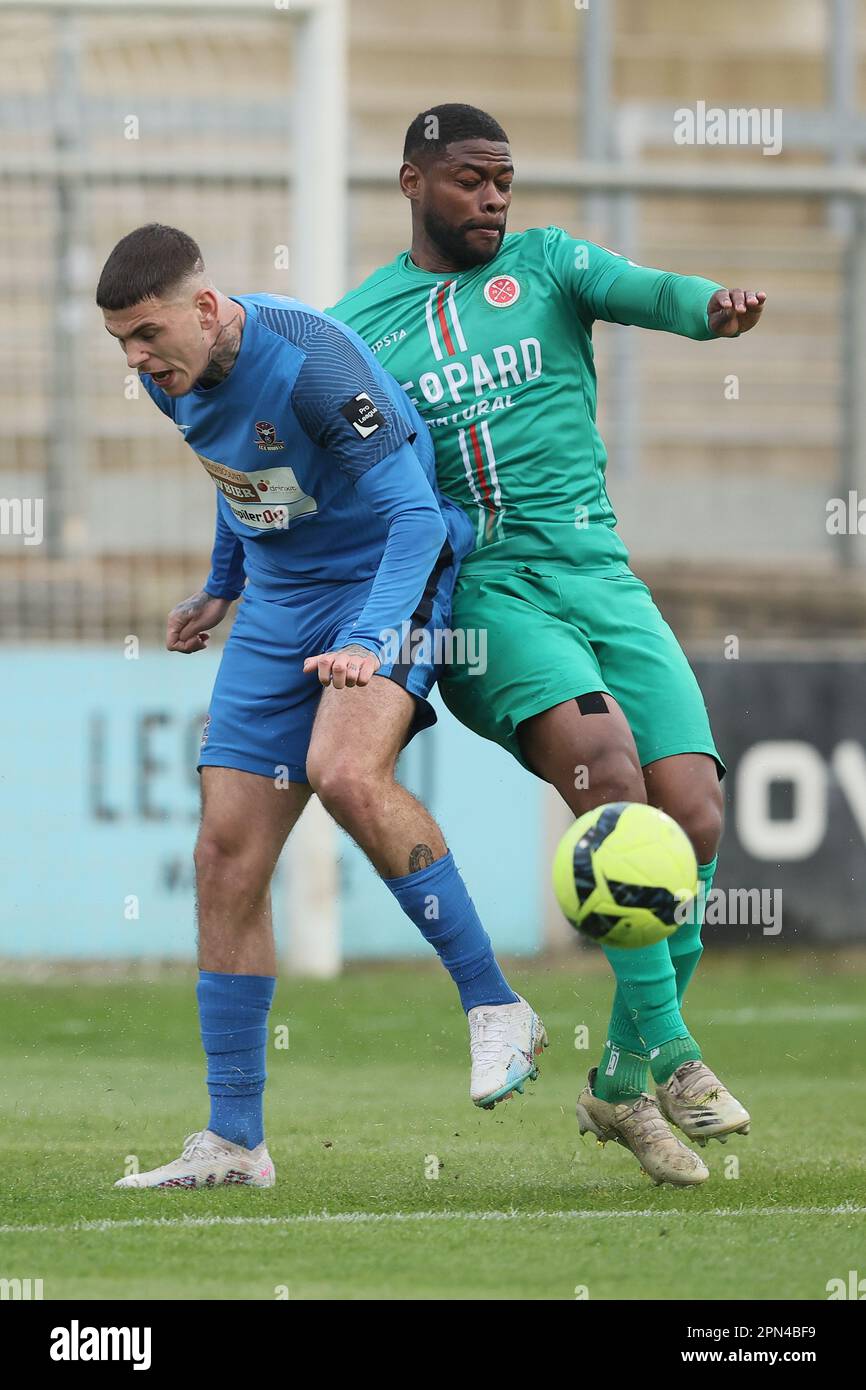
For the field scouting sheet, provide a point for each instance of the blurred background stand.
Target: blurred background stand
(273, 134)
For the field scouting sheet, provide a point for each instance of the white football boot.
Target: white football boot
(504, 1041)
(695, 1100)
(208, 1160)
(640, 1127)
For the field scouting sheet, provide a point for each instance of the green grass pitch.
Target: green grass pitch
(372, 1092)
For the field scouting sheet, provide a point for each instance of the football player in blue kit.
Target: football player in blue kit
(330, 526)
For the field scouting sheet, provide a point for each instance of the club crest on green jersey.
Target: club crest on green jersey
(501, 291)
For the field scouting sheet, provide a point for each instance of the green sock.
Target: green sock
(645, 1015)
(647, 996)
(685, 945)
(621, 1075)
(685, 951)
(664, 1060)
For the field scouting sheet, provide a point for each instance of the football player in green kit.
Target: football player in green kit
(585, 684)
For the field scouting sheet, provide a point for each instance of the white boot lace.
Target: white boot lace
(195, 1146)
(488, 1036)
(646, 1122)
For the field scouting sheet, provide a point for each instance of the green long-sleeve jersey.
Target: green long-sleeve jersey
(499, 361)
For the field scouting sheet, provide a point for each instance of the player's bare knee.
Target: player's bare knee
(348, 789)
(700, 812)
(613, 775)
(227, 868)
(703, 822)
(212, 852)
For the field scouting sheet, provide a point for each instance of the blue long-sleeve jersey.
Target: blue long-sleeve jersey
(324, 468)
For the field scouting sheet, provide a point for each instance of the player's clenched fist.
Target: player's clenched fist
(343, 669)
(730, 312)
(188, 623)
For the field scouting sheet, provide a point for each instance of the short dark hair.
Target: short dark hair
(439, 126)
(146, 264)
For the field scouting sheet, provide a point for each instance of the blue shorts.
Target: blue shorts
(263, 706)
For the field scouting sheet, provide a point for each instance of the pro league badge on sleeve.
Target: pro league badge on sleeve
(363, 415)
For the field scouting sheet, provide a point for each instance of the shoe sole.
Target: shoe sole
(185, 1187)
(675, 1182)
(125, 1186)
(705, 1133)
(703, 1137)
(506, 1092)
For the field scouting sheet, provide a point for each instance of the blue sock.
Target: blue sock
(436, 900)
(233, 1013)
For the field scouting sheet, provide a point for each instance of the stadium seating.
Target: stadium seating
(133, 514)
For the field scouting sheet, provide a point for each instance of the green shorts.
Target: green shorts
(552, 636)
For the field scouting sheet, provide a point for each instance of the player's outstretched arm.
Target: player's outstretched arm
(687, 305)
(189, 622)
(604, 285)
(731, 312)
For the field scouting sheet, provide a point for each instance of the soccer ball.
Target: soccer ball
(622, 871)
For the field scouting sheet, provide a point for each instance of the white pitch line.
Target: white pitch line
(349, 1218)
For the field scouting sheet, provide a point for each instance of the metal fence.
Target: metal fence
(726, 454)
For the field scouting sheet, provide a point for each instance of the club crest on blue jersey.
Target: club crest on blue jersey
(267, 434)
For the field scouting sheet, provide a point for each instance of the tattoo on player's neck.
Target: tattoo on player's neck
(223, 353)
(421, 857)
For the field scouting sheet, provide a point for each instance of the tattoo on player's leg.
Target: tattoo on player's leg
(421, 857)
